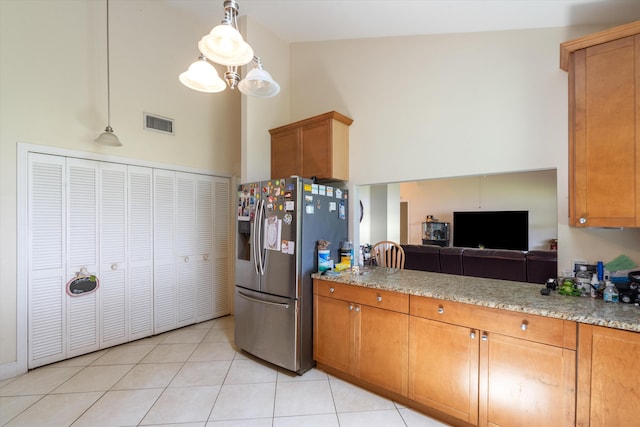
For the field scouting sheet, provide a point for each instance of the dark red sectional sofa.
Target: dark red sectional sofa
(532, 266)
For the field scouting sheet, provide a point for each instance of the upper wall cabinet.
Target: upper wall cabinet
(317, 146)
(604, 131)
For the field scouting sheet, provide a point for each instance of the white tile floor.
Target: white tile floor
(190, 377)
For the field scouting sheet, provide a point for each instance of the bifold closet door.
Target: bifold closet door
(46, 275)
(82, 254)
(186, 256)
(221, 246)
(140, 252)
(164, 259)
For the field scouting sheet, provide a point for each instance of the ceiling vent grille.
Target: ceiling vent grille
(158, 124)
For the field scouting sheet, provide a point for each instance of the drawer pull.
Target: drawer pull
(441, 310)
(524, 326)
(379, 298)
(357, 309)
(331, 290)
(350, 307)
(484, 337)
(472, 335)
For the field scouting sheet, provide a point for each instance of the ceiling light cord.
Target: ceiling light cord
(108, 137)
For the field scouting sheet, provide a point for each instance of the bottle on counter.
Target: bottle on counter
(583, 281)
(595, 285)
(610, 293)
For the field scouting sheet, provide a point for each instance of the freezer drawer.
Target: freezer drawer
(267, 327)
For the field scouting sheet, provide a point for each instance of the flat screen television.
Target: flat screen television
(491, 229)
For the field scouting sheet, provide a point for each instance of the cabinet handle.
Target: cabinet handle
(379, 298)
(582, 220)
(114, 266)
(350, 307)
(357, 309)
(525, 325)
(472, 335)
(484, 337)
(441, 309)
(331, 290)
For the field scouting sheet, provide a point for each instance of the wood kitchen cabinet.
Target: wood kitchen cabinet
(604, 127)
(362, 332)
(317, 146)
(608, 377)
(490, 367)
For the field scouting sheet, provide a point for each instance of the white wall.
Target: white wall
(53, 85)
(534, 192)
(453, 105)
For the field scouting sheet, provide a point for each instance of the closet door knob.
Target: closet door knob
(186, 259)
(114, 266)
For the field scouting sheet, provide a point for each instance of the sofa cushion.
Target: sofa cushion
(451, 260)
(495, 264)
(422, 257)
(541, 265)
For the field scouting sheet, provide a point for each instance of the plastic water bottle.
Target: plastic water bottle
(583, 281)
(610, 292)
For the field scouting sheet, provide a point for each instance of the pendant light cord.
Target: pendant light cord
(108, 73)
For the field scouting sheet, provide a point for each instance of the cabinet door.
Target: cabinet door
(286, 154)
(333, 335)
(525, 383)
(443, 367)
(608, 377)
(316, 150)
(603, 144)
(382, 352)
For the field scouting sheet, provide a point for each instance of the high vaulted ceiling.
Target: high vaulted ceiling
(320, 20)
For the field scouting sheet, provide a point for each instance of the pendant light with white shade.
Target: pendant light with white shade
(224, 45)
(108, 137)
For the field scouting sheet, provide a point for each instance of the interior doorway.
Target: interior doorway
(404, 223)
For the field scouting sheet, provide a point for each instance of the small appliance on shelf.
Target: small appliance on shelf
(435, 232)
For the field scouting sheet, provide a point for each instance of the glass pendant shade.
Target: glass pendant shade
(203, 77)
(108, 138)
(224, 45)
(258, 82)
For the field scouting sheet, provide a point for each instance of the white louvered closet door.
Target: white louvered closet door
(113, 254)
(205, 285)
(221, 245)
(140, 252)
(82, 254)
(46, 276)
(164, 259)
(186, 259)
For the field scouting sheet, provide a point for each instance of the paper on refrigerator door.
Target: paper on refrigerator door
(272, 233)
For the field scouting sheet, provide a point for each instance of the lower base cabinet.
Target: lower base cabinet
(608, 377)
(363, 333)
(472, 365)
(491, 367)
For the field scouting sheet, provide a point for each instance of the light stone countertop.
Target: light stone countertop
(501, 294)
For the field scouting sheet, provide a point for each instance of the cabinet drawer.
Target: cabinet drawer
(387, 300)
(546, 330)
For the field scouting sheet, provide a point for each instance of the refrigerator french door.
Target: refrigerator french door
(279, 223)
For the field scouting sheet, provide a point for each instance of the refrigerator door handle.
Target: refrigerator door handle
(277, 304)
(259, 246)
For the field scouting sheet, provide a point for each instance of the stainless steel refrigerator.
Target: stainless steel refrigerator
(279, 223)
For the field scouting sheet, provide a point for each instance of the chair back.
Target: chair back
(388, 254)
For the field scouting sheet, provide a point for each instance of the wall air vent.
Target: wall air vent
(157, 123)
